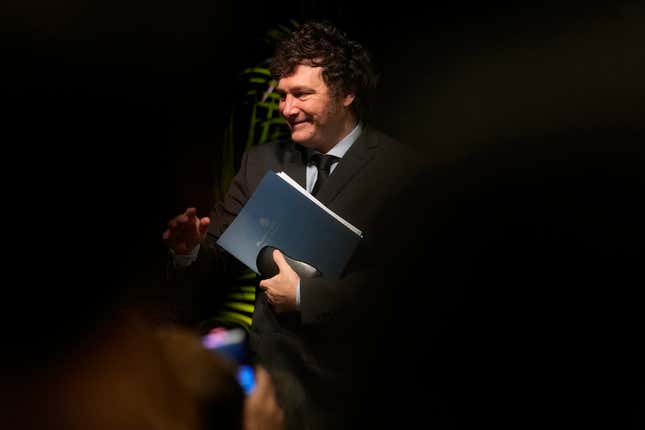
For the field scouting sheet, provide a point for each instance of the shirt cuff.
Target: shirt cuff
(185, 260)
(298, 296)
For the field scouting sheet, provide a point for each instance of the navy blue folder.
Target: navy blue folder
(281, 214)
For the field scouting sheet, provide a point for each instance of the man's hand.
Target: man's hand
(185, 231)
(280, 290)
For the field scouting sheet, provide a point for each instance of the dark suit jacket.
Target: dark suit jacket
(326, 346)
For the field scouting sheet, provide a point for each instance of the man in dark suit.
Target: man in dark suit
(318, 335)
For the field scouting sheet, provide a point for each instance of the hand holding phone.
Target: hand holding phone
(261, 409)
(232, 343)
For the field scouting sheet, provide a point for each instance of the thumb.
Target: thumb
(262, 380)
(278, 257)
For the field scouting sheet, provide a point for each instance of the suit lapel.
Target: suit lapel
(353, 162)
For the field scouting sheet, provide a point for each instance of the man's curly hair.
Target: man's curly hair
(347, 68)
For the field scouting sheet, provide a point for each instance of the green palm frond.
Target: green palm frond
(228, 319)
(237, 309)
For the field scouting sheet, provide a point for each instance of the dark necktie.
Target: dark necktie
(323, 163)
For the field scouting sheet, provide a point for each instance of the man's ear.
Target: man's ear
(348, 99)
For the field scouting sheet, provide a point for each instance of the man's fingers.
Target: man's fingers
(189, 216)
(264, 286)
(203, 225)
(262, 381)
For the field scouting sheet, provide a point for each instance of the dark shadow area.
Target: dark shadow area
(530, 119)
(521, 308)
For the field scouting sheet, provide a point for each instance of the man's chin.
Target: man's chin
(303, 139)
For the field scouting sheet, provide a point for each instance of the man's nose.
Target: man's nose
(289, 106)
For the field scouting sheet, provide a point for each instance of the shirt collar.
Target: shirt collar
(345, 143)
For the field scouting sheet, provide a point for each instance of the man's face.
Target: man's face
(317, 119)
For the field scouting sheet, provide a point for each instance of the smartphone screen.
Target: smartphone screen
(232, 343)
(246, 377)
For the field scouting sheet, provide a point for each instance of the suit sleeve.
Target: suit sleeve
(202, 282)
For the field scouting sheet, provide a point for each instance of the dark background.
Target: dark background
(115, 111)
